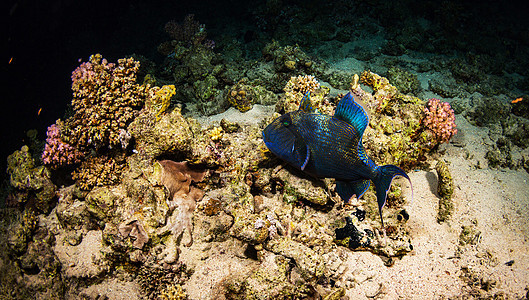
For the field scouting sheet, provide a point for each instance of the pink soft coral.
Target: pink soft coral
(440, 119)
(56, 152)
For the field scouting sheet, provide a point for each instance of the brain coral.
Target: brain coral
(106, 98)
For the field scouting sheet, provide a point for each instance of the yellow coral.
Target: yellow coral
(290, 64)
(173, 292)
(354, 82)
(160, 99)
(216, 134)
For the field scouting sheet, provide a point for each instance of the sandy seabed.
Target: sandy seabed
(493, 202)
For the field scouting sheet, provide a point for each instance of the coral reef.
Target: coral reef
(394, 134)
(170, 182)
(189, 31)
(404, 81)
(192, 65)
(140, 192)
(288, 59)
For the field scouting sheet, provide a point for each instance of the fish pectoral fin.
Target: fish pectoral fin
(306, 159)
(301, 153)
(347, 189)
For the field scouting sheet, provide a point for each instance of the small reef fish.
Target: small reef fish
(517, 100)
(327, 146)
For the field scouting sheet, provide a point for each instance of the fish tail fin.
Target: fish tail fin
(382, 181)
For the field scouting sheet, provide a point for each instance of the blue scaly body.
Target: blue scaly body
(331, 147)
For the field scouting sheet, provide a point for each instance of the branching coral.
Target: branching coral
(56, 152)
(106, 98)
(302, 84)
(97, 171)
(296, 88)
(439, 118)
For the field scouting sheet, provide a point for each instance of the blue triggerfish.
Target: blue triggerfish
(325, 146)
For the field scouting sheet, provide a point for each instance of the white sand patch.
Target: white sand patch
(251, 117)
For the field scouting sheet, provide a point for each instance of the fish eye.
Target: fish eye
(286, 121)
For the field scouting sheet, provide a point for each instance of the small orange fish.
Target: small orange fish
(10, 61)
(38, 113)
(516, 100)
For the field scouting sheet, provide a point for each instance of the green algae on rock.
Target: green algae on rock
(30, 182)
(445, 189)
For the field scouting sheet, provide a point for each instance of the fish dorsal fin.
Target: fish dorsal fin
(348, 110)
(306, 106)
